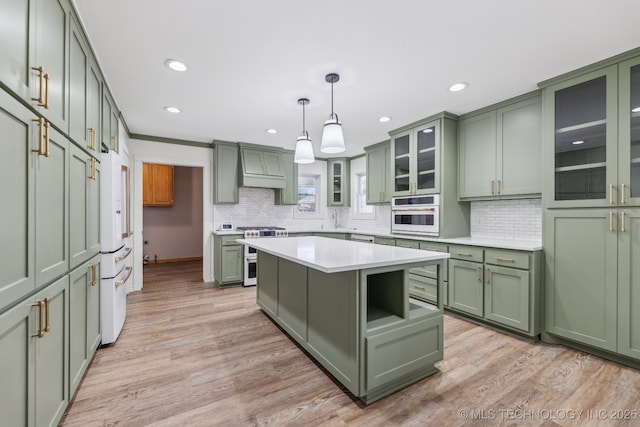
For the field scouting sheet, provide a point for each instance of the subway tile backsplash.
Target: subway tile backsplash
(507, 219)
(500, 219)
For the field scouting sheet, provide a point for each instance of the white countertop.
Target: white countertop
(334, 255)
(519, 245)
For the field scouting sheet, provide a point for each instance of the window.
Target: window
(308, 192)
(362, 209)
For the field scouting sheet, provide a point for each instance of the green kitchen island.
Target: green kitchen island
(347, 304)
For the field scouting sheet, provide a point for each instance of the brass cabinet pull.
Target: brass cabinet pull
(610, 194)
(610, 221)
(94, 273)
(47, 328)
(499, 258)
(488, 274)
(127, 251)
(92, 139)
(463, 254)
(46, 91)
(478, 273)
(432, 249)
(40, 136)
(93, 169)
(47, 127)
(498, 192)
(40, 332)
(419, 287)
(622, 221)
(622, 194)
(493, 187)
(39, 99)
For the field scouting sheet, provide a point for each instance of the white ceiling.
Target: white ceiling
(250, 60)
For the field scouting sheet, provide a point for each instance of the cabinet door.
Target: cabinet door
(17, 172)
(378, 175)
(94, 101)
(147, 184)
(163, 185)
(52, 214)
(16, 367)
(427, 159)
(78, 63)
(51, 47)
(519, 148)
(477, 156)
(16, 47)
(465, 287)
(106, 118)
(506, 296)
(52, 355)
(335, 186)
(401, 159)
(267, 284)
(629, 134)
(629, 283)
(84, 207)
(580, 138)
(115, 135)
(80, 281)
(225, 184)
(232, 261)
(253, 162)
(289, 194)
(581, 276)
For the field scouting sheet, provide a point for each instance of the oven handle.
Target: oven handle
(123, 281)
(413, 209)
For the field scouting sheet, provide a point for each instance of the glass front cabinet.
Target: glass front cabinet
(595, 134)
(415, 160)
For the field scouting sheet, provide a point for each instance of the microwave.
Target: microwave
(416, 215)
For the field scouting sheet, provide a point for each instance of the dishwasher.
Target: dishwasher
(362, 238)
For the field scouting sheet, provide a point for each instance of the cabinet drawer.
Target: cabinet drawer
(507, 258)
(467, 253)
(434, 246)
(384, 241)
(403, 243)
(230, 240)
(423, 288)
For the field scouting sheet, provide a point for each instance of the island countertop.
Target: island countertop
(334, 255)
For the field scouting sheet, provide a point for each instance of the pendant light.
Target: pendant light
(304, 149)
(332, 137)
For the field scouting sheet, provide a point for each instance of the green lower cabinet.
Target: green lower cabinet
(384, 241)
(581, 281)
(84, 319)
(424, 288)
(342, 236)
(267, 283)
(506, 296)
(34, 357)
(629, 285)
(292, 297)
(465, 287)
(228, 259)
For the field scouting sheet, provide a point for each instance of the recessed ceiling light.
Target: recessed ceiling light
(636, 110)
(271, 131)
(173, 110)
(427, 130)
(577, 142)
(384, 119)
(457, 87)
(175, 65)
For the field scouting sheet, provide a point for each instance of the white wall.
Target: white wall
(179, 155)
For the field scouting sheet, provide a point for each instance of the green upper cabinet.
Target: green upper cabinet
(338, 182)
(84, 92)
(592, 137)
(109, 121)
(416, 160)
(500, 150)
(289, 194)
(225, 172)
(379, 173)
(261, 167)
(34, 49)
(18, 137)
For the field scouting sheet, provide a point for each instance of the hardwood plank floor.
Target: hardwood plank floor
(191, 354)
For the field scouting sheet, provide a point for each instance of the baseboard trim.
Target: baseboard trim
(168, 260)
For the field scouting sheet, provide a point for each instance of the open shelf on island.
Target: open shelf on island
(419, 308)
(385, 298)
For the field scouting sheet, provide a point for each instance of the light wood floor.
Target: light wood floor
(192, 354)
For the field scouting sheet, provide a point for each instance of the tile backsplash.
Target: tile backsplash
(507, 219)
(502, 219)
